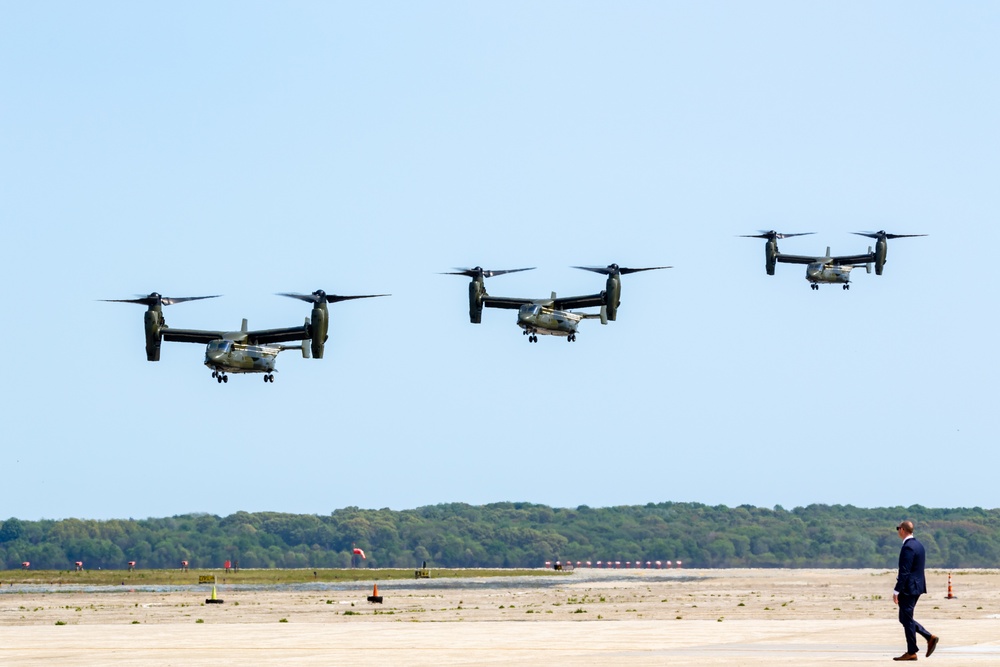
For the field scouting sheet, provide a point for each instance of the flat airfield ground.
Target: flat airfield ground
(588, 617)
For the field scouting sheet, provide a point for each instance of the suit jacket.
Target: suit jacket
(910, 580)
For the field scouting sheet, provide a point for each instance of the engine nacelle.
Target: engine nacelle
(613, 295)
(153, 321)
(880, 251)
(320, 324)
(771, 253)
(476, 293)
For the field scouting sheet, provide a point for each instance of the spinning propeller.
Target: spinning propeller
(157, 299)
(882, 234)
(773, 235)
(319, 296)
(480, 272)
(614, 269)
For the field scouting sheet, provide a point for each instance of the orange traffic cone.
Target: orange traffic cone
(375, 590)
(949, 596)
(375, 597)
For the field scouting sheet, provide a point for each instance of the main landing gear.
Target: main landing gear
(220, 377)
(571, 338)
(532, 338)
(268, 377)
(813, 286)
(847, 285)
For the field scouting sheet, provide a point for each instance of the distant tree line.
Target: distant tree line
(512, 535)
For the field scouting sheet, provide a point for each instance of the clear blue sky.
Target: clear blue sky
(243, 149)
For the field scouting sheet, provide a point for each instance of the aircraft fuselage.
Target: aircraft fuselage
(227, 356)
(818, 272)
(537, 319)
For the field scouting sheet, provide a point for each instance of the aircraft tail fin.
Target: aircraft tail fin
(244, 327)
(602, 316)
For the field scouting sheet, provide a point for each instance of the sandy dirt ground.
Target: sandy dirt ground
(589, 617)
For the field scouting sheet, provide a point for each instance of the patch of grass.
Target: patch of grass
(200, 620)
(60, 622)
(282, 620)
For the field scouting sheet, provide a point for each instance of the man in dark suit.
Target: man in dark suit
(910, 585)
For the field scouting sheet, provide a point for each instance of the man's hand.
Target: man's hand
(895, 598)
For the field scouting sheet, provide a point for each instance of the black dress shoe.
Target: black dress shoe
(907, 656)
(932, 644)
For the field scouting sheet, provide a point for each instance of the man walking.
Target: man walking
(910, 585)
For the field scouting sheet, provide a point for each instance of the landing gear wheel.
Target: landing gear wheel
(215, 374)
(225, 378)
(847, 286)
(218, 378)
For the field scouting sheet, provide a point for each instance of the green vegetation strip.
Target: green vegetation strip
(246, 576)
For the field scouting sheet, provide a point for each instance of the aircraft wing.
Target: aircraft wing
(505, 302)
(566, 302)
(841, 260)
(796, 259)
(263, 336)
(191, 335)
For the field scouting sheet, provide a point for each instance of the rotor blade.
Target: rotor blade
(886, 235)
(773, 235)
(311, 298)
(320, 295)
(625, 271)
(621, 270)
(169, 301)
(604, 270)
(335, 298)
(155, 298)
(485, 273)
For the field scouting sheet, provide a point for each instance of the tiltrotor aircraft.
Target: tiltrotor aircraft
(242, 351)
(828, 268)
(550, 316)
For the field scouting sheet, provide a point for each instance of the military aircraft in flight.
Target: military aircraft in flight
(828, 268)
(551, 316)
(242, 351)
